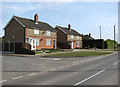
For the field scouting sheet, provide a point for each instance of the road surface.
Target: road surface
(98, 70)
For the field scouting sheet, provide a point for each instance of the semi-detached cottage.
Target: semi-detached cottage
(68, 38)
(38, 34)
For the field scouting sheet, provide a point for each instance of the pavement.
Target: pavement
(75, 50)
(29, 70)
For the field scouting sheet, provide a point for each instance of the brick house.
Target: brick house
(68, 38)
(36, 33)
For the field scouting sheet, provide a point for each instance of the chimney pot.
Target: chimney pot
(89, 34)
(36, 18)
(69, 27)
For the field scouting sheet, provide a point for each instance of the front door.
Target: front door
(53, 44)
(33, 44)
(72, 44)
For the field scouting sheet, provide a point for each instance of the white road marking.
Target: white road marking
(53, 69)
(17, 77)
(3, 81)
(32, 74)
(116, 63)
(74, 62)
(56, 59)
(61, 67)
(89, 77)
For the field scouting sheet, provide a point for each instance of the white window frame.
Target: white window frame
(78, 44)
(30, 41)
(48, 33)
(37, 40)
(27, 41)
(72, 37)
(48, 42)
(36, 31)
(78, 37)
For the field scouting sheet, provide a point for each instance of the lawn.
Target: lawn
(109, 50)
(37, 52)
(77, 54)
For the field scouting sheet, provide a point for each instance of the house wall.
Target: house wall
(29, 33)
(64, 38)
(61, 36)
(80, 44)
(74, 38)
(16, 29)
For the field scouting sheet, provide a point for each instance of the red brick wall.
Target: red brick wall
(42, 42)
(75, 44)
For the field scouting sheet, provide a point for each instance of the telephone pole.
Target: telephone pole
(100, 32)
(114, 37)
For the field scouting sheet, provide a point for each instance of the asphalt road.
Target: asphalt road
(99, 70)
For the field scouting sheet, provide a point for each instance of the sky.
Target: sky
(84, 17)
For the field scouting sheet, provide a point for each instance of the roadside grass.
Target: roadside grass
(78, 54)
(37, 52)
(109, 50)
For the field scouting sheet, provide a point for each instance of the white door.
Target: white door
(33, 44)
(72, 44)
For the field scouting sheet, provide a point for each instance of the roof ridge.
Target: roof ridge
(64, 27)
(72, 30)
(28, 19)
(22, 17)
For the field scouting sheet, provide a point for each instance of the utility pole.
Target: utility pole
(100, 32)
(114, 37)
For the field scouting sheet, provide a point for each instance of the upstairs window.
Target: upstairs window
(72, 37)
(36, 31)
(78, 37)
(48, 33)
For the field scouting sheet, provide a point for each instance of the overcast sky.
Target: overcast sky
(85, 17)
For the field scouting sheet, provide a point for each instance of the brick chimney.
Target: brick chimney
(89, 34)
(69, 27)
(36, 18)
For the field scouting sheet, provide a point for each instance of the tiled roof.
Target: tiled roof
(72, 32)
(31, 24)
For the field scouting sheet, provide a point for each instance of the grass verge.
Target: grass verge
(37, 52)
(78, 54)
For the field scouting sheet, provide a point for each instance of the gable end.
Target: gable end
(11, 20)
(61, 29)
